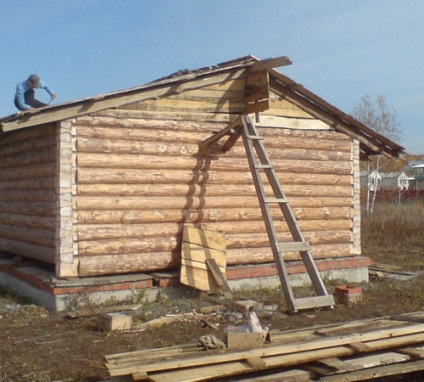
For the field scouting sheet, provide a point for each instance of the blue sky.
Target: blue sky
(341, 50)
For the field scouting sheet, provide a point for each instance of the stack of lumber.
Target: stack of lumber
(353, 351)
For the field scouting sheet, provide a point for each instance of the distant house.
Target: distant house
(394, 181)
(417, 177)
(371, 180)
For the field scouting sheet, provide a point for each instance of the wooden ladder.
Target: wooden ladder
(259, 162)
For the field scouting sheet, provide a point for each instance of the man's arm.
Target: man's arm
(46, 87)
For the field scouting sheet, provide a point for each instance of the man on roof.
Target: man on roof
(25, 93)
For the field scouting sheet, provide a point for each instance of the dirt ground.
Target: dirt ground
(37, 345)
(41, 346)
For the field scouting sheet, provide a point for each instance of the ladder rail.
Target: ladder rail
(266, 213)
(254, 144)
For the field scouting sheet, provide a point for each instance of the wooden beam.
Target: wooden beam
(271, 63)
(220, 279)
(206, 144)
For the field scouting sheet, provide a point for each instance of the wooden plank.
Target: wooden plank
(293, 247)
(97, 311)
(220, 279)
(198, 264)
(295, 375)
(205, 238)
(256, 363)
(207, 143)
(376, 340)
(198, 246)
(199, 279)
(413, 352)
(114, 100)
(271, 63)
(357, 327)
(335, 363)
(199, 254)
(360, 347)
(377, 372)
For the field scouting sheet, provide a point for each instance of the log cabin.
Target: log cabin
(103, 186)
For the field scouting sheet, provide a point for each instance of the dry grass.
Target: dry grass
(394, 234)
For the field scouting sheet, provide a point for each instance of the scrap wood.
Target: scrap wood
(212, 370)
(357, 326)
(209, 324)
(97, 311)
(377, 372)
(410, 317)
(219, 278)
(157, 322)
(274, 355)
(294, 375)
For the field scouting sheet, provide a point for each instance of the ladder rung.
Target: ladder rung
(313, 302)
(297, 246)
(265, 166)
(275, 200)
(255, 137)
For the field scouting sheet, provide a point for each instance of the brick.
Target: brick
(115, 321)
(347, 295)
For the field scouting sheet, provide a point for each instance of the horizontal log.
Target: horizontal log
(43, 155)
(232, 181)
(146, 262)
(127, 123)
(42, 170)
(274, 146)
(31, 250)
(320, 149)
(31, 184)
(27, 145)
(241, 240)
(139, 132)
(27, 195)
(34, 209)
(135, 262)
(141, 161)
(189, 202)
(303, 164)
(128, 215)
(170, 244)
(19, 136)
(188, 190)
(135, 147)
(40, 236)
(28, 221)
(260, 255)
(124, 231)
(207, 215)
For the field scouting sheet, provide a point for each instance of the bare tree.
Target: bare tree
(382, 119)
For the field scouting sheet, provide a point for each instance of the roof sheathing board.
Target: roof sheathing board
(371, 141)
(153, 90)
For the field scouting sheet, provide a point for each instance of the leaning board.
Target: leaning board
(198, 246)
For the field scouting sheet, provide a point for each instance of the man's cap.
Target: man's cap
(35, 80)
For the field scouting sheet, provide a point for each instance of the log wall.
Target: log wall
(27, 193)
(139, 179)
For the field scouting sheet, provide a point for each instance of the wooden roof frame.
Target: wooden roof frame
(260, 77)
